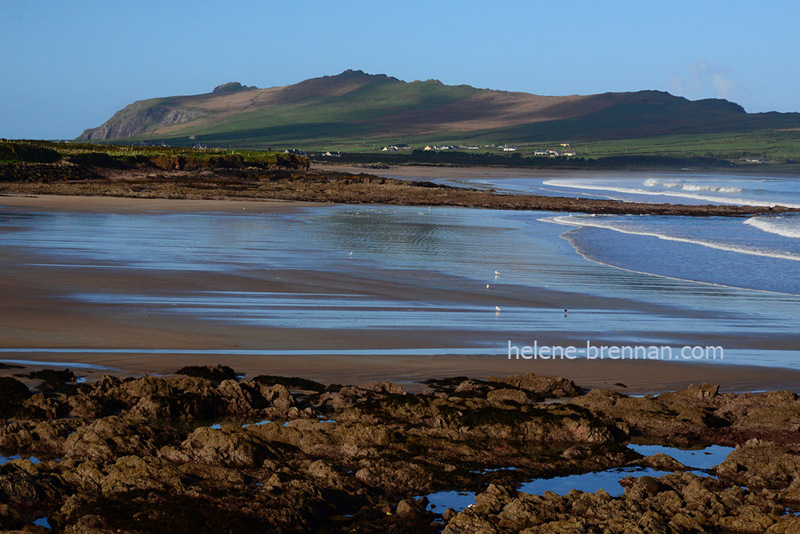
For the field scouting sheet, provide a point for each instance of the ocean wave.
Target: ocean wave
(676, 193)
(652, 182)
(713, 188)
(601, 222)
(783, 226)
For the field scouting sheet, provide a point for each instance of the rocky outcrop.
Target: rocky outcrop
(700, 414)
(142, 455)
(682, 502)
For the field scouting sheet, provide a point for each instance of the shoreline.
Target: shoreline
(35, 315)
(624, 376)
(334, 186)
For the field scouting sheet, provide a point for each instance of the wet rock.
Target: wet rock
(241, 398)
(661, 462)
(214, 373)
(25, 484)
(512, 396)
(131, 473)
(544, 386)
(228, 446)
(747, 519)
(291, 383)
(54, 380)
(701, 395)
(408, 508)
(10, 518)
(46, 438)
(277, 396)
(142, 457)
(759, 464)
(110, 437)
(472, 388)
(786, 525)
(395, 477)
(321, 469)
(648, 416)
(12, 394)
(652, 523)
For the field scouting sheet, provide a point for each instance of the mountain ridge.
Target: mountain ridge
(356, 107)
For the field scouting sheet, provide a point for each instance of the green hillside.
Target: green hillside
(355, 111)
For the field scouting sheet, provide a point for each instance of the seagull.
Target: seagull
(498, 309)
(487, 286)
(351, 253)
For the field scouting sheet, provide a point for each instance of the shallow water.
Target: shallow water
(6, 459)
(700, 460)
(43, 522)
(429, 251)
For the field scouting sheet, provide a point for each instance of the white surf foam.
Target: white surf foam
(652, 182)
(671, 193)
(783, 226)
(600, 222)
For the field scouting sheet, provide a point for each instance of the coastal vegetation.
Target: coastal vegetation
(213, 174)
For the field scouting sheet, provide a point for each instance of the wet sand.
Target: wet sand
(36, 313)
(103, 204)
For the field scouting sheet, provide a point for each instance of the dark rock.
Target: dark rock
(512, 396)
(12, 394)
(292, 383)
(216, 373)
(545, 386)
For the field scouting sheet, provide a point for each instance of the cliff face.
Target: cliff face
(141, 118)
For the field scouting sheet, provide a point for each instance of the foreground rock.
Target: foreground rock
(191, 454)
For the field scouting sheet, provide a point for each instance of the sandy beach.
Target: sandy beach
(37, 313)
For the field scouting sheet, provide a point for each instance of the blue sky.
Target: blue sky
(68, 66)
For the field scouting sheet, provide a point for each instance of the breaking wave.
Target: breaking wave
(600, 222)
(785, 226)
(694, 193)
